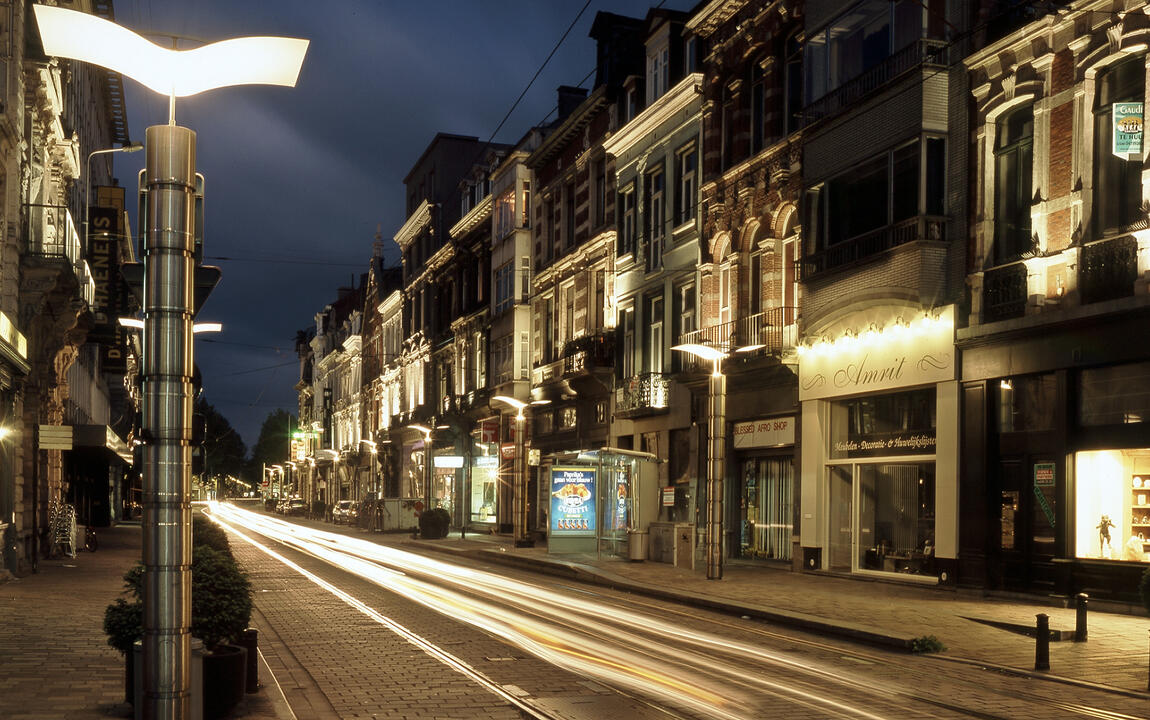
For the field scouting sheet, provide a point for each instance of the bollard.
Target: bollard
(1042, 643)
(1080, 617)
(250, 639)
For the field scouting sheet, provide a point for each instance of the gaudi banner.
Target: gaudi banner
(915, 351)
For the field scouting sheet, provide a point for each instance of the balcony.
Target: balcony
(643, 395)
(50, 238)
(767, 333)
(923, 52)
(1108, 269)
(867, 245)
(587, 353)
(1004, 293)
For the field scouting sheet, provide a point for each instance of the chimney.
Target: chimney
(569, 99)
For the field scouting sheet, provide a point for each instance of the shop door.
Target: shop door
(841, 519)
(1026, 522)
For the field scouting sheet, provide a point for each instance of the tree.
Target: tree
(274, 443)
(224, 449)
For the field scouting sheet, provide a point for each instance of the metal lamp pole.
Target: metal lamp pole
(133, 147)
(519, 469)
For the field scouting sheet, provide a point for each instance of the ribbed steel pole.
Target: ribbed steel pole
(715, 467)
(170, 177)
(519, 495)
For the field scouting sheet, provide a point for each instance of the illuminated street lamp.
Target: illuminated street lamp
(134, 147)
(519, 494)
(169, 260)
(717, 402)
(427, 471)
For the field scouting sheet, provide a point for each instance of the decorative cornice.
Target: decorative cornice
(673, 101)
(473, 218)
(717, 12)
(418, 220)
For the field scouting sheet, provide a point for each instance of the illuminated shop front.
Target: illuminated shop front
(1058, 458)
(880, 445)
(484, 485)
(766, 490)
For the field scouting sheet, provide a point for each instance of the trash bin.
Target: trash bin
(637, 545)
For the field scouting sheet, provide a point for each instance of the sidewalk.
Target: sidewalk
(885, 613)
(55, 662)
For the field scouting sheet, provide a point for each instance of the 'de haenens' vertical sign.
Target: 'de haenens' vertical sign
(573, 501)
(1127, 130)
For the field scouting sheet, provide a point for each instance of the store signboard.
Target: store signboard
(878, 445)
(1127, 130)
(769, 432)
(573, 501)
(903, 352)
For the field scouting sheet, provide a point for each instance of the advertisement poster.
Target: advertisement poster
(1127, 140)
(572, 501)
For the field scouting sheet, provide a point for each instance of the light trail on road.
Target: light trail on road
(703, 673)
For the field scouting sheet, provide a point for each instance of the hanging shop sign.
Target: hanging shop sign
(769, 432)
(1126, 138)
(573, 501)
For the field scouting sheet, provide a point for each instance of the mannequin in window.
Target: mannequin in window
(1104, 535)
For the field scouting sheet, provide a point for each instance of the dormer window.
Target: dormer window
(658, 73)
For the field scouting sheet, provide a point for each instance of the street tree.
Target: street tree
(274, 441)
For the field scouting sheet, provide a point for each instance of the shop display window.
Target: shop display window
(896, 517)
(1112, 504)
(484, 479)
(879, 425)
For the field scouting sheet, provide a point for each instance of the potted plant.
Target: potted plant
(221, 611)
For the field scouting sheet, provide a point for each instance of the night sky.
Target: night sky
(297, 180)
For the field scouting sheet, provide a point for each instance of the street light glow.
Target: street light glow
(180, 73)
(704, 352)
(206, 327)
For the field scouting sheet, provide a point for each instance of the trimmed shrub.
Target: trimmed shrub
(434, 523)
(205, 532)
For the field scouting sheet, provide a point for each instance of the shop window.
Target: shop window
(1027, 403)
(1013, 158)
(896, 517)
(568, 416)
(894, 424)
(1117, 200)
(766, 508)
(1114, 395)
(1112, 505)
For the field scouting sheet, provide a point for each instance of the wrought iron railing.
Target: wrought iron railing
(587, 352)
(50, 232)
(1108, 269)
(1004, 292)
(922, 227)
(770, 331)
(640, 393)
(922, 52)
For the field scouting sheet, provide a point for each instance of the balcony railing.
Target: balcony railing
(1108, 269)
(588, 352)
(643, 394)
(768, 332)
(923, 52)
(1004, 293)
(922, 227)
(50, 233)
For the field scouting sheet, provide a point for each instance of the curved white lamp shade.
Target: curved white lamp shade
(241, 61)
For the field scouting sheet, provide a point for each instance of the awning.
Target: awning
(101, 436)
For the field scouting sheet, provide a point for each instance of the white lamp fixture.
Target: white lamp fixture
(206, 327)
(180, 73)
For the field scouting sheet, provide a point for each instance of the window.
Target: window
(690, 55)
(860, 39)
(1116, 395)
(728, 120)
(655, 218)
(569, 216)
(627, 329)
(600, 173)
(626, 242)
(1117, 197)
(525, 206)
(567, 326)
(1027, 403)
(686, 166)
(632, 104)
(725, 293)
(655, 334)
(793, 101)
(882, 191)
(758, 107)
(504, 286)
(1013, 156)
(658, 74)
(754, 285)
(685, 310)
(505, 214)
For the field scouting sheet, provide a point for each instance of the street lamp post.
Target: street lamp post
(169, 261)
(717, 421)
(133, 147)
(519, 494)
(427, 471)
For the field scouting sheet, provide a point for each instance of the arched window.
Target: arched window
(1117, 198)
(1013, 163)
